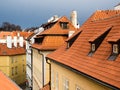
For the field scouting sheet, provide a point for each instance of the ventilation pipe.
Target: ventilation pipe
(9, 41)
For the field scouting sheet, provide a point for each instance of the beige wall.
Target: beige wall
(38, 69)
(74, 79)
(17, 61)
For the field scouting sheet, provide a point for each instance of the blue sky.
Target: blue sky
(28, 13)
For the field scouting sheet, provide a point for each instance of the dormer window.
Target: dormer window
(115, 48)
(115, 51)
(93, 47)
(64, 25)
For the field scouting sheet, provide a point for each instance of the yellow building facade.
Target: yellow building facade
(65, 79)
(14, 67)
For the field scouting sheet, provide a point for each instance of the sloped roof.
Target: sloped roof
(55, 36)
(6, 83)
(56, 29)
(3, 35)
(4, 51)
(97, 66)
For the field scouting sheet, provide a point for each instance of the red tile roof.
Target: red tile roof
(4, 51)
(98, 65)
(6, 83)
(55, 36)
(3, 35)
(50, 43)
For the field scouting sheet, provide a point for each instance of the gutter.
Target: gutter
(42, 66)
(83, 74)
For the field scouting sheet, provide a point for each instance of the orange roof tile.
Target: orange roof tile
(6, 83)
(97, 66)
(56, 29)
(4, 51)
(50, 43)
(3, 35)
(55, 36)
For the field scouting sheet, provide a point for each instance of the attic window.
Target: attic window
(64, 25)
(115, 48)
(93, 48)
(115, 52)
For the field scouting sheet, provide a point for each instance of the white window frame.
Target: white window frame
(93, 47)
(115, 48)
(77, 87)
(65, 84)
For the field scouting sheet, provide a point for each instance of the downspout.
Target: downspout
(42, 66)
(47, 60)
(31, 68)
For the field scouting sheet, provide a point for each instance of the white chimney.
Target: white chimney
(9, 41)
(73, 19)
(18, 34)
(21, 41)
(70, 33)
(15, 41)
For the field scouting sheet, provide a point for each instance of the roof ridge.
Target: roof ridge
(117, 15)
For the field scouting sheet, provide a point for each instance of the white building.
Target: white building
(117, 7)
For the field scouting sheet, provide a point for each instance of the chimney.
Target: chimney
(9, 41)
(21, 41)
(73, 19)
(15, 41)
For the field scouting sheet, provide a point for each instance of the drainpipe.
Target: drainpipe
(42, 66)
(47, 60)
(31, 67)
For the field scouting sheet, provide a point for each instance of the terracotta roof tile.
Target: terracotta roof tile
(55, 36)
(97, 65)
(50, 43)
(3, 35)
(4, 51)
(6, 83)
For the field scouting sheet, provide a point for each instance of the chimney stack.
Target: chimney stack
(9, 41)
(73, 18)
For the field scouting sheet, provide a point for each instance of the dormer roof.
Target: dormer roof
(55, 36)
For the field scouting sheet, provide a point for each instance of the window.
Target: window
(52, 79)
(115, 52)
(65, 84)
(77, 87)
(57, 82)
(12, 60)
(12, 71)
(23, 68)
(16, 70)
(93, 47)
(115, 48)
(64, 25)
